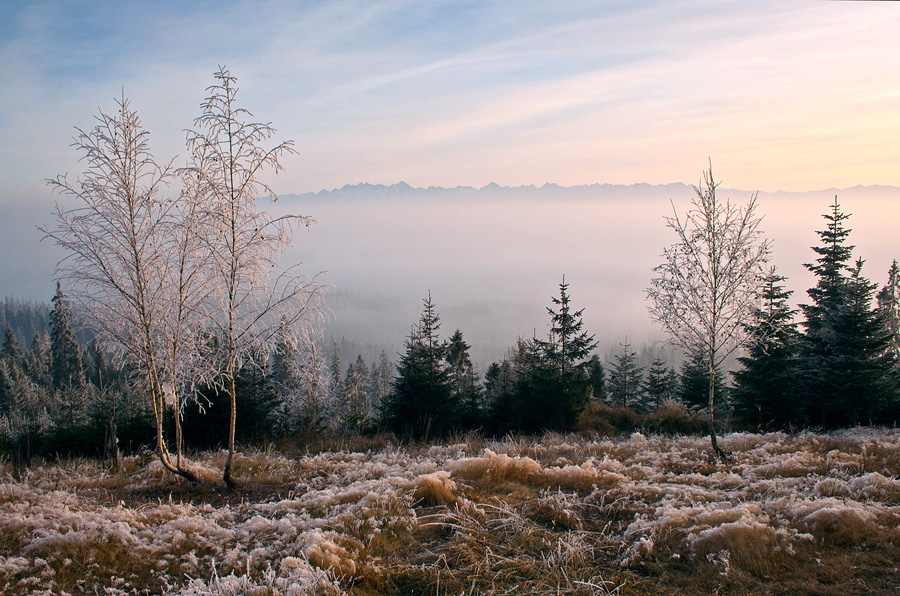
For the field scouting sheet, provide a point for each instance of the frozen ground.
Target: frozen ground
(807, 513)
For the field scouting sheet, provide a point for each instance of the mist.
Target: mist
(493, 257)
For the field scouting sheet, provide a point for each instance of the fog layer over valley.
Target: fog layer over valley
(493, 257)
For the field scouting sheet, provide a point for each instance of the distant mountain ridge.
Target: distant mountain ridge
(403, 190)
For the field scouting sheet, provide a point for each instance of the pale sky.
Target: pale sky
(782, 95)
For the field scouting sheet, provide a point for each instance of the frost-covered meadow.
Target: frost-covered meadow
(806, 513)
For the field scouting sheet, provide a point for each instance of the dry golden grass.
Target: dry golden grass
(644, 514)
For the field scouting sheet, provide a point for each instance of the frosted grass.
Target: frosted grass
(578, 514)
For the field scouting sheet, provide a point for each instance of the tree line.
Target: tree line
(176, 273)
(837, 367)
(716, 295)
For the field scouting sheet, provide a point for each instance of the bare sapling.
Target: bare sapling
(252, 292)
(706, 290)
(117, 239)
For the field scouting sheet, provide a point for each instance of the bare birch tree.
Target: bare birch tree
(188, 292)
(708, 286)
(253, 292)
(118, 262)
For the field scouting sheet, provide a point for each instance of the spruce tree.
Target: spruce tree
(422, 402)
(538, 403)
(466, 387)
(845, 365)
(693, 384)
(39, 361)
(625, 377)
(382, 379)
(356, 406)
(284, 360)
(10, 368)
(659, 384)
(889, 309)
(764, 391)
(597, 376)
(65, 353)
(563, 377)
(337, 383)
(11, 353)
(500, 397)
(867, 383)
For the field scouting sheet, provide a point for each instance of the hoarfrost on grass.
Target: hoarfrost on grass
(641, 499)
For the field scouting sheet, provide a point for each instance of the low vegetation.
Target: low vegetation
(807, 513)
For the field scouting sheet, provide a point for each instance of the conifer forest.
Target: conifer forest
(175, 419)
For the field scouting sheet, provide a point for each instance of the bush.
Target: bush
(608, 420)
(671, 418)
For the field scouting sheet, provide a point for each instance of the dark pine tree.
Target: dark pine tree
(39, 361)
(466, 387)
(764, 393)
(625, 378)
(337, 384)
(693, 385)
(889, 308)
(500, 397)
(867, 383)
(660, 383)
(562, 381)
(597, 376)
(422, 404)
(65, 353)
(845, 366)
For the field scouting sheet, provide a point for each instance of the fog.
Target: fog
(492, 258)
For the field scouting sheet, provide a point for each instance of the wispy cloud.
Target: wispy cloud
(782, 95)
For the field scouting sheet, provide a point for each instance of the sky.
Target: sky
(782, 95)
(795, 96)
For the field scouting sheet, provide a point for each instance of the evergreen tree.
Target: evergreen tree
(660, 383)
(868, 383)
(889, 308)
(422, 402)
(466, 387)
(500, 397)
(693, 384)
(845, 361)
(382, 380)
(11, 353)
(536, 405)
(597, 376)
(65, 354)
(10, 368)
(39, 361)
(562, 376)
(625, 378)
(764, 391)
(356, 407)
(284, 360)
(337, 383)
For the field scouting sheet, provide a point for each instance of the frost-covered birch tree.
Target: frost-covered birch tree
(118, 251)
(188, 292)
(705, 292)
(253, 293)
